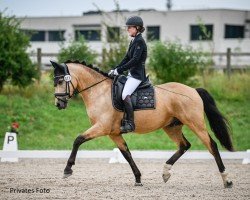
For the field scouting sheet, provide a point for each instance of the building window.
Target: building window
(56, 35)
(113, 34)
(43, 36)
(233, 31)
(89, 35)
(90, 32)
(153, 33)
(203, 32)
(37, 36)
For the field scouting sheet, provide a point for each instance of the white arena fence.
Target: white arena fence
(115, 156)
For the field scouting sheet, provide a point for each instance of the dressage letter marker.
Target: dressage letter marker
(10, 144)
(10, 139)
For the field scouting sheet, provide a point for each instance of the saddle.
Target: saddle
(143, 97)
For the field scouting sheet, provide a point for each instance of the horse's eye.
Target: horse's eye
(60, 81)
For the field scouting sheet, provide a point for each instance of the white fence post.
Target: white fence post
(247, 159)
(117, 157)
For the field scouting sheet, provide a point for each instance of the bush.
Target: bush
(114, 51)
(170, 61)
(77, 50)
(15, 63)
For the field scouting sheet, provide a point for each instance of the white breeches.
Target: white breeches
(130, 86)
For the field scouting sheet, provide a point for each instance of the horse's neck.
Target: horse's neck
(97, 97)
(88, 78)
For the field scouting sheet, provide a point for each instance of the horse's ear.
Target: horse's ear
(58, 68)
(54, 64)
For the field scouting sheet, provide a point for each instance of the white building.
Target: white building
(227, 29)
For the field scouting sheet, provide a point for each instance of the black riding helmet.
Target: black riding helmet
(134, 21)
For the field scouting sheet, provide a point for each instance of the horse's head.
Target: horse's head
(63, 83)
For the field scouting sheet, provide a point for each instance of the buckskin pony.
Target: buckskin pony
(176, 105)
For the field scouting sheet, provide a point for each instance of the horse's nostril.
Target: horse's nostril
(57, 104)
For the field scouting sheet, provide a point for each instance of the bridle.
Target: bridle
(67, 78)
(67, 93)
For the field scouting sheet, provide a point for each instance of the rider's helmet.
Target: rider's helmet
(134, 21)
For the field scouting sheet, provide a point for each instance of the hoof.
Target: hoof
(166, 177)
(67, 173)
(228, 184)
(138, 184)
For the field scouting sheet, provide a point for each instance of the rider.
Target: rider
(134, 63)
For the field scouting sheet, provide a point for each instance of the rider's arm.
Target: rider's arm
(134, 60)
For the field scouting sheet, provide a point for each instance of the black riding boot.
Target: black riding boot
(128, 125)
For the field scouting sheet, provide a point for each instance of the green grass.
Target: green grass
(43, 126)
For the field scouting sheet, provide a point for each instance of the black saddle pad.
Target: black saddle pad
(143, 98)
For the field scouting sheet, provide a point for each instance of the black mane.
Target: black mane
(89, 66)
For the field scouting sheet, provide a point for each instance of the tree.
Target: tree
(114, 53)
(77, 50)
(15, 64)
(170, 61)
(115, 48)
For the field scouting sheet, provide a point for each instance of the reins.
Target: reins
(173, 92)
(170, 91)
(67, 79)
(78, 92)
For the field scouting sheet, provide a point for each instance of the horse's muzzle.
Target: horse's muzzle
(61, 103)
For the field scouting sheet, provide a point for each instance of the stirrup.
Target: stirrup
(127, 127)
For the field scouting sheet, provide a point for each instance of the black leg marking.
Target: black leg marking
(227, 183)
(216, 155)
(182, 149)
(71, 161)
(127, 155)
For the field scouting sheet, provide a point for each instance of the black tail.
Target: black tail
(218, 123)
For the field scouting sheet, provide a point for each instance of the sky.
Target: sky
(77, 7)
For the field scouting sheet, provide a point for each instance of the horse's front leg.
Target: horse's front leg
(121, 144)
(94, 132)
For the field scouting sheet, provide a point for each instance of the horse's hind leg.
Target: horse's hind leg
(121, 144)
(177, 136)
(202, 133)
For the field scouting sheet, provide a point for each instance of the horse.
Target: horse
(176, 105)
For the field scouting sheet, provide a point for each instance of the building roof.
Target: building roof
(92, 13)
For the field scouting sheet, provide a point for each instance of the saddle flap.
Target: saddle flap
(142, 98)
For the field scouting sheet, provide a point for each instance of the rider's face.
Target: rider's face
(132, 31)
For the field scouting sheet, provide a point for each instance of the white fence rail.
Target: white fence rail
(116, 156)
